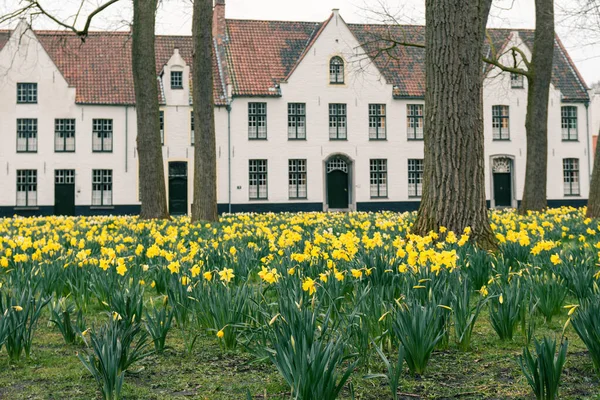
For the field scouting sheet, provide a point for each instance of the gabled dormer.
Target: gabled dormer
(175, 81)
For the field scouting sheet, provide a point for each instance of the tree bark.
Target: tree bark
(593, 206)
(205, 162)
(536, 122)
(454, 173)
(151, 168)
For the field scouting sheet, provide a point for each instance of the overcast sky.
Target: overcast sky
(174, 18)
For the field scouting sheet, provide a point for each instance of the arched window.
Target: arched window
(336, 70)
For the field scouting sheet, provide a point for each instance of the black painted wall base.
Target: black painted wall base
(133, 209)
(124, 209)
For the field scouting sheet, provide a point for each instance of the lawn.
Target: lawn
(252, 304)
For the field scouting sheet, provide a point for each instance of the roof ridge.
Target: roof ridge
(273, 20)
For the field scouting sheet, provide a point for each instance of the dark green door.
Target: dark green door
(64, 199)
(502, 190)
(64, 192)
(178, 188)
(337, 189)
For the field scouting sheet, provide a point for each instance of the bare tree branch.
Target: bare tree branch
(33, 7)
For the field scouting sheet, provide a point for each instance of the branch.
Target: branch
(35, 4)
(494, 60)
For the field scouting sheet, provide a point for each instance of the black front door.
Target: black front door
(64, 192)
(178, 188)
(502, 190)
(337, 189)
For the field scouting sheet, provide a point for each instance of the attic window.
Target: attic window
(26, 92)
(336, 70)
(516, 81)
(176, 79)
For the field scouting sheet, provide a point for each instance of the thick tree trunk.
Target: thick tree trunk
(454, 174)
(151, 168)
(593, 206)
(205, 160)
(536, 122)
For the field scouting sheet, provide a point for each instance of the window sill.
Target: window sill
(297, 139)
(517, 87)
(338, 139)
(500, 140)
(378, 139)
(571, 140)
(26, 208)
(258, 199)
(102, 207)
(26, 152)
(27, 102)
(64, 151)
(337, 83)
(176, 87)
(415, 139)
(101, 151)
(379, 197)
(298, 198)
(572, 195)
(415, 197)
(257, 138)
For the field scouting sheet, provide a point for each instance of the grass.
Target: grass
(488, 371)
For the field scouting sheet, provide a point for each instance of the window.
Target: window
(415, 178)
(569, 123)
(337, 122)
(64, 176)
(336, 70)
(571, 176)
(102, 135)
(377, 121)
(378, 169)
(176, 79)
(26, 93)
(192, 134)
(64, 135)
(26, 188)
(414, 121)
(500, 123)
(297, 179)
(27, 135)
(296, 121)
(257, 183)
(516, 81)
(102, 187)
(257, 120)
(161, 124)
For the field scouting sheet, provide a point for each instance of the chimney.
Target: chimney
(219, 21)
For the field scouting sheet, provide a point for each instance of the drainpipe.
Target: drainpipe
(588, 139)
(126, 135)
(229, 155)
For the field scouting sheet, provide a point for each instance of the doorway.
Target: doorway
(337, 183)
(502, 179)
(178, 188)
(64, 192)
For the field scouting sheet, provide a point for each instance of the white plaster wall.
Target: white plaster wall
(308, 84)
(23, 59)
(498, 91)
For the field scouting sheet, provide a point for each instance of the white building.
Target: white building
(305, 120)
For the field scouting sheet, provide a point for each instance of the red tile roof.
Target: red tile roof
(4, 36)
(261, 54)
(100, 67)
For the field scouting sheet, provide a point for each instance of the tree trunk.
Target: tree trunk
(593, 206)
(205, 160)
(536, 122)
(151, 169)
(454, 174)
